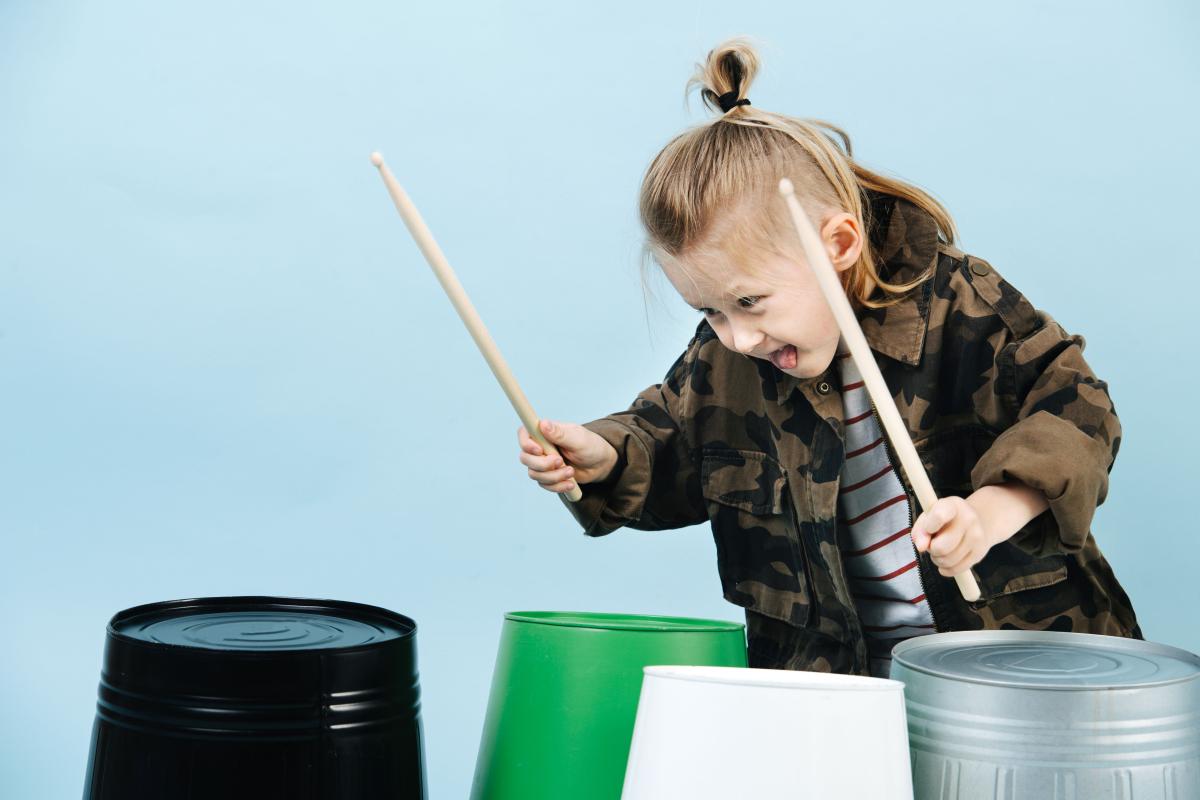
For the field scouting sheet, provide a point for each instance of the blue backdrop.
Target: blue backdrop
(225, 369)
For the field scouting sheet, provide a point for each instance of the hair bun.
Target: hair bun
(729, 68)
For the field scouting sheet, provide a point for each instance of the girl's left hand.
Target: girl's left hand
(953, 534)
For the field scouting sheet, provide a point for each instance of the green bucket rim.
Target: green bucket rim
(624, 622)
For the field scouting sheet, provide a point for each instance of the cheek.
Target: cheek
(808, 321)
(822, 317)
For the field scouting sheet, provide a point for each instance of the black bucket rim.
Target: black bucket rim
(268, 603)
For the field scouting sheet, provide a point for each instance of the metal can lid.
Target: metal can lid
(257, 629)
(254, 666)
(260, 624)
(1046, 659)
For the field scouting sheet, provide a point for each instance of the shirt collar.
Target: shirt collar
(905, 239)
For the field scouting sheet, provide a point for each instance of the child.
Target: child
(762, 426)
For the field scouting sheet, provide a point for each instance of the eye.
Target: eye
(749, 302)
(709, 312)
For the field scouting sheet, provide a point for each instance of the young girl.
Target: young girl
(763, 428)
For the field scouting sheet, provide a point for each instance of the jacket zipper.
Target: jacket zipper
(887, 446)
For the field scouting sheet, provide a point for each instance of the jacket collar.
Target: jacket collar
(905, 239)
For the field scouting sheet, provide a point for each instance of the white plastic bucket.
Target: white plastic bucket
(722, 732)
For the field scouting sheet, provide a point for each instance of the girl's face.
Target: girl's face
(775, 312)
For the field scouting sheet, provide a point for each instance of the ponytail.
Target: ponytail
(735, 161)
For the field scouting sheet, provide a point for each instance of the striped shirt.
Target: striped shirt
(875, 517)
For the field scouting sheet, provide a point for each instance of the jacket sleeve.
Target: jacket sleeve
(1065, 434)
(655, 485)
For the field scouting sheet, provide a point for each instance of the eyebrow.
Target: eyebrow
(735, 290)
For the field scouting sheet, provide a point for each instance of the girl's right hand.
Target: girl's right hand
(588, 457)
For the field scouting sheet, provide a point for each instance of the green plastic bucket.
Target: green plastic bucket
(565, 693)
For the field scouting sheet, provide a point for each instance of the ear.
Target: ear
(842, 236)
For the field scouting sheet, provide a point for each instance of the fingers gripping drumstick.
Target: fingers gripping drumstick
(897, 434)
(466, 311)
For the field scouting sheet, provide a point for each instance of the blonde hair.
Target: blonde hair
(714, 187)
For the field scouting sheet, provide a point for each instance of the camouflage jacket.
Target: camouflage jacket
(991, 390)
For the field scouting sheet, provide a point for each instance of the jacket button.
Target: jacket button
(824, 388)
(980, 268)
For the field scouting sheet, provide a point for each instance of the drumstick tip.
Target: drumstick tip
(377, 158)
(785, 187)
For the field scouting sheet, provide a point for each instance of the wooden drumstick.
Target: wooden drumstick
(466, 311)
(860, 351)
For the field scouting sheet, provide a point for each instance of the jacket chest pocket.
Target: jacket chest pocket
(759, 554)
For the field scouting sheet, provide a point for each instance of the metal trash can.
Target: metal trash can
(1004, 715)
(263, 698)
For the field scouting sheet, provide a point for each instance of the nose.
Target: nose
(745, 335)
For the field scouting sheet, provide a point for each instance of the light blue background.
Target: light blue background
(225, 369)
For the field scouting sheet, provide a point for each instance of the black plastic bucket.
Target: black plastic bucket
(258, 697)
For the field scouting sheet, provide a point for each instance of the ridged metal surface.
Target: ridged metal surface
(1036, 715)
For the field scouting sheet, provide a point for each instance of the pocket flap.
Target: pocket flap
(744, 479)
(1007, 569)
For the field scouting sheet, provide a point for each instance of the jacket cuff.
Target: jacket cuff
(1055, 457)
(619, 499)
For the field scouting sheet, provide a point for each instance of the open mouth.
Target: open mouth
(784, 358)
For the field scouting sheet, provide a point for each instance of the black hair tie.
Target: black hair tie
(729, 101)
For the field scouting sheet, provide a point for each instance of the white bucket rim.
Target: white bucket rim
(752, 677)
